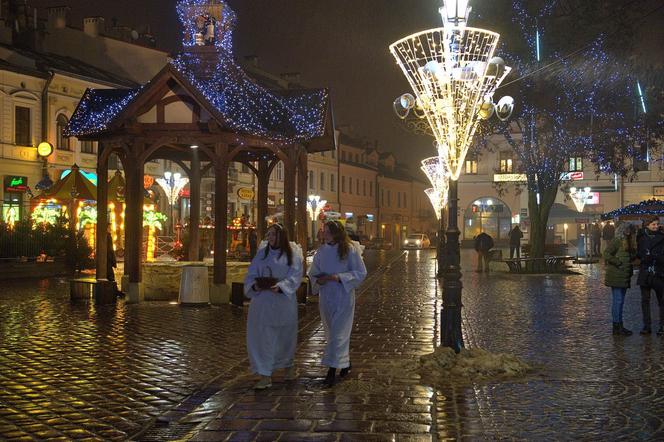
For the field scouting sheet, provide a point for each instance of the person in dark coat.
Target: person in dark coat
(608, 232)
(253, 243)
(515, 241)
(650, 251)
(111, 264)
(618, 257)
(595, 239)
(483, 246)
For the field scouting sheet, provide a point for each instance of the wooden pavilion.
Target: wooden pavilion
(202, 111)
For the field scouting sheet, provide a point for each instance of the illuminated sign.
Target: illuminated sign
(509, 177)
(245, 193)
(571, 176)
(593, 198)
(16, 183)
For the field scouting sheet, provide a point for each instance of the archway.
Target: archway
(489, 215)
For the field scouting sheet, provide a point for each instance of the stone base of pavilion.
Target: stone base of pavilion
(161, 281)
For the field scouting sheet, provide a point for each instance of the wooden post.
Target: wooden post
(220, 213)
(302, 176)
(134, 220)
(290, 169)
(195, 205)
(101, 252)
(263, 181)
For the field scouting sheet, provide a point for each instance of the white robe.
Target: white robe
(337, 299)
(272, 322)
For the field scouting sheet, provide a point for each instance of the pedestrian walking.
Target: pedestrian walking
(595, 239)
(272, 280)
(483, 246)
(650, 251)
(337, 270)
(618, 257)
(515, 241)
(253, 243)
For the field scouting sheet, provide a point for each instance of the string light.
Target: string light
(649, 207)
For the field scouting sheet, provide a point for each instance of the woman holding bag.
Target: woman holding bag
(337, 270)
(272, 280)
(618, 257)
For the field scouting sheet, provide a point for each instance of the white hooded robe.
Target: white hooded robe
(272, 321)
(337, 299)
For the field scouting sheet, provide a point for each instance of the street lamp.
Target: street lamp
(172, 183)
(580, 198)
(314, 207)
(454, 73)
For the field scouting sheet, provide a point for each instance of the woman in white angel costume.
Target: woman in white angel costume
(336, 271)
(272, 280)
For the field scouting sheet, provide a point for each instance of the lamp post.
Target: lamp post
(454, 74)
(580, 198)
(172, 183)
(314, 207)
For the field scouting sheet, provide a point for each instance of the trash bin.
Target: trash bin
(237, 294)
(194, 289)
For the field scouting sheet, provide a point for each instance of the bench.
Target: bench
(85, 289)
(548, 264)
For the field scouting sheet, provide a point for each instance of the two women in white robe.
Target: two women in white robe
(337, 270)
(272, 322)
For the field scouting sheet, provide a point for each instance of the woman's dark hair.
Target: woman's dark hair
(282, 243)
(649, 219)
(339, 236)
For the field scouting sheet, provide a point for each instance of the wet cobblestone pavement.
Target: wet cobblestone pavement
(161, 372)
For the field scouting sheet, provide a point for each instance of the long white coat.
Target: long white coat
(272, 322)
(337, 299)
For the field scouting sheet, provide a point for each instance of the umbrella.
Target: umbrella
(72, 187)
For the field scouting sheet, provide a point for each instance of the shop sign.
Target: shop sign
(571, 176)
(246, 193)
(524, 212)
(15, 183)
(271, 199)
(658, 190)
(510, 178)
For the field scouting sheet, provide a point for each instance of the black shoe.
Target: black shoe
(660, 331)
(330, 377)
(624, 331)
(646, 331)
(616, 328)
(344, 371)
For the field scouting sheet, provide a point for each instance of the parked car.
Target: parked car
(379, 244)
(417, 241)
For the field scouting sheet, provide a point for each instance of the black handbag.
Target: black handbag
(654, 281)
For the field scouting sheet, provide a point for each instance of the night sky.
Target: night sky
(339, 44)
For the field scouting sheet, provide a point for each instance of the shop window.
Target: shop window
(333, 183)
(506, 162)
(471, 166)
(87, 146)
(575, 164)
(350, 185)
(322, 181)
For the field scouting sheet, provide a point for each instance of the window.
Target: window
(343, 155)
(364, 188)
(60, 124)
(389, 198)
(312, 184)
(280, 171)
(382, 197)
(343, 184)
(357, 186)
(350, 185)
(405, 203)
(642, 159)
(506, 162)
(245, 168)
(334, 154)
(471, 167)
(87, 146)
(322, 154)
(370, 188)
(399, 199)
(575, 164)
(22, 130)
(357, 158)
(333, 183)
(322, 181)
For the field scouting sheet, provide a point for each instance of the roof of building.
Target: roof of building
(43, 62)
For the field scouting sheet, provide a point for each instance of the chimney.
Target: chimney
(57, 17)
(93, 26)
(291, 77)
(251, 60)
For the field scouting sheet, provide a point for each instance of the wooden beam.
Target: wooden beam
(101, 244)
(194, 205)
(220, 212)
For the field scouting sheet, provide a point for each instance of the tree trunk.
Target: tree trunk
(539, 219)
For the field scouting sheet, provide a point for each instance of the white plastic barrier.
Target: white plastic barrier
(194, 287)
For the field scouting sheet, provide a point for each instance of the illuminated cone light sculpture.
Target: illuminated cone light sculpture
(454, 74)
(435, 168)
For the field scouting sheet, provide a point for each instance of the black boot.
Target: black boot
(624, 331)
(330, 377)
(616, 328)
(344, 371)
(646, 330)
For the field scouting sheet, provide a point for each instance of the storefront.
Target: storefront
(489, 215)
(14, 188)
